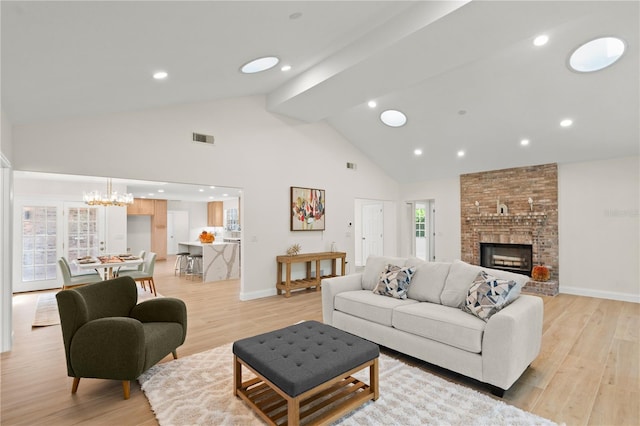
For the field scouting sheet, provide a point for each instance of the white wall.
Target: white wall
(6, 207)
(598, 213)
(446, 195)
(263, 153)
(139, 233)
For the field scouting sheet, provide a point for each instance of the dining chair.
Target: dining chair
(141, 255)
(71, 281)
(145, 275)
(78, 274)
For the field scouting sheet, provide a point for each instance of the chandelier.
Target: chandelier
(110, 198)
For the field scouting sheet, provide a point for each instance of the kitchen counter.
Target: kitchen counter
(220, 260)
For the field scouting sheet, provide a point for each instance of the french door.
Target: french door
(46, 230)
(84, 230)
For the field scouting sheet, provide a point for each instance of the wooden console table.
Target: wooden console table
(287, 285)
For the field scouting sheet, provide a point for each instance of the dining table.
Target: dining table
(107, 266)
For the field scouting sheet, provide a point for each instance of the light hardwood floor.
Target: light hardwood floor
(587, 373)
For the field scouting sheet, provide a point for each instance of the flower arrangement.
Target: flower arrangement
(206, 237)
(540, 273)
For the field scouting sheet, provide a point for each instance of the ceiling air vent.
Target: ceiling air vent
(352, 166)
(199, 137)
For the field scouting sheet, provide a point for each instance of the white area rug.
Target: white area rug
(198, 390)
(47, 308)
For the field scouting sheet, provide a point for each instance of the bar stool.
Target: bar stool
(194, 266)
(182, 262)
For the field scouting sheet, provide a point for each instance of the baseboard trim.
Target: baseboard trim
(624, 297)
(257, 294)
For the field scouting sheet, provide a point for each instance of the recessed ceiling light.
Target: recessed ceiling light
(143, 196)
(285, 68)
(160, 75)
(417, 151)
(372, 104)
(151, 194)
(461, 153)
(260, 64)
(524, 142)
(541, 40)
(393, 118)
(212, 187)
(160, 190)
(225, 195)
(596, 54)
(200, 190)
(211, 197)
(566, 122)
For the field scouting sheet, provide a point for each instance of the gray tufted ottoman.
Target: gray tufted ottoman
(304, 373)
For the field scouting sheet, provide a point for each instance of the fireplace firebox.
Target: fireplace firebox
(508, 257)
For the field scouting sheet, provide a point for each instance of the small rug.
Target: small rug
(47, 308)
(198, 390)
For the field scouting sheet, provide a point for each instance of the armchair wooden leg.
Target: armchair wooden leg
(126, 388)
(175, 354)
(76, 382)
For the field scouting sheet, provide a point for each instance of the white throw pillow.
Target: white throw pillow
(428, 281)
(461, 275)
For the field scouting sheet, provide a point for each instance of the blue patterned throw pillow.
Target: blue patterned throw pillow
(488, 294)
(394, 281)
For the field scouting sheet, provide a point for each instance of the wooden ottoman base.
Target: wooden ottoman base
(339, 396)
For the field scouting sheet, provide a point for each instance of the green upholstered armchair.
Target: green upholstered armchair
(108, 336)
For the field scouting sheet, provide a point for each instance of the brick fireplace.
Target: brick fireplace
(512, 208)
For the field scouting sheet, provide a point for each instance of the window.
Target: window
(420, 222)
(39, 243)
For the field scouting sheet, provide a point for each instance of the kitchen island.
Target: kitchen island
(220, 261)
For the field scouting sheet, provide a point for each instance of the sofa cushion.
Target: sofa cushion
(443, 324)
(394, 281)
(428, 280)
(375, 265)
(461, 277)
(369, 306)
(489, 294)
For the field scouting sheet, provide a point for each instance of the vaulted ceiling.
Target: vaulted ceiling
(466, 74)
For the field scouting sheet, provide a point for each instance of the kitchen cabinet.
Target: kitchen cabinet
(159, 229)
(215, 213)
(141, 206)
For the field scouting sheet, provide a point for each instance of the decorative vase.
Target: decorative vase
(540, 273)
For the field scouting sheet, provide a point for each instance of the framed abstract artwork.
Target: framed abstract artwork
(307, 209)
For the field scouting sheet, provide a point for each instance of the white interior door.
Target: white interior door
(372, 230)
(177, 229)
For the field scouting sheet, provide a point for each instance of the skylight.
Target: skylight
(393, 118)
(260, 64)
(596, 54)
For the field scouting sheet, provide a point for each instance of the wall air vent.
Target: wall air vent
(352, 166)
(199, 137)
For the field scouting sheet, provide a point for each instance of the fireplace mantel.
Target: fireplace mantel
(507, 218)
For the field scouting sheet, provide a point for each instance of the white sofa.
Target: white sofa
(430, 324)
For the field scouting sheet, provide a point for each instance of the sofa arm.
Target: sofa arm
(108, 348)
(331, 287)
(512, 340)
(164, 309)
